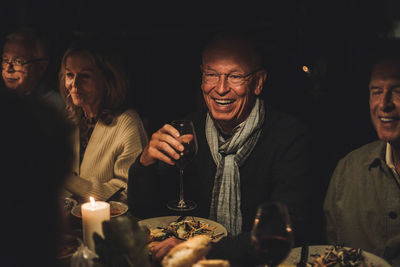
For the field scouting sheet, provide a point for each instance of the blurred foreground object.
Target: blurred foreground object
(124, 244)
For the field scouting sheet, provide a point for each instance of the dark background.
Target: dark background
(161, 43)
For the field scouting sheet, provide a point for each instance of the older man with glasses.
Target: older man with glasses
(24, 63)
(248, 153)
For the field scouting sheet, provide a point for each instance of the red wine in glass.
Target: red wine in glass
(186, 156)
(189, 141)
(272, 249)
(272, 235)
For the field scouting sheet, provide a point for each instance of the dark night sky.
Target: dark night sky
(161, 43)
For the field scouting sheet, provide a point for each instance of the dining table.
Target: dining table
(71, 239)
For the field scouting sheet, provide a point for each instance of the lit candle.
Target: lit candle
(93, 215)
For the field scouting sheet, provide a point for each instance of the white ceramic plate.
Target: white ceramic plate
(116, 209)
(294, 256)
(166, 220)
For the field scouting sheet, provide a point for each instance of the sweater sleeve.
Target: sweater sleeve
(105, 166)
(133, 140)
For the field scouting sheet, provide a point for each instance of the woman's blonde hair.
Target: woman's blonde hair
(116, 82)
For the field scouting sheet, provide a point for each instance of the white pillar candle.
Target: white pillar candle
(93, 215)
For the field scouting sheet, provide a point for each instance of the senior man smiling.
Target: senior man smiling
(362, 205)
(248, 153)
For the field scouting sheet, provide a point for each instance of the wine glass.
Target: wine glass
(189, 141)
(272, 235)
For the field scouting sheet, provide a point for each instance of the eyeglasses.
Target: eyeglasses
(233, 79)
(18, 63)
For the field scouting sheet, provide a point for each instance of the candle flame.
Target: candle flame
(306, 69)
(93, 202)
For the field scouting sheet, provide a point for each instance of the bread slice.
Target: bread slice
(212, 263)
(187, 253)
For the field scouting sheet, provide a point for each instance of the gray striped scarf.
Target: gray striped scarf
(229, 155)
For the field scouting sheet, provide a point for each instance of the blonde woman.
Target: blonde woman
(108, 136)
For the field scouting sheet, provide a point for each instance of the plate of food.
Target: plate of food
(160, 228)
(116, 209)
(328, 255)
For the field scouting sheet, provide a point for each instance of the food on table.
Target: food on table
(212, 263)
(115, 211)
(188, 252)
(339, 256)
(152, 244)
(183, 229)
(158, 234)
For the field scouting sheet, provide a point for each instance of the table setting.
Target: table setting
(102, 238)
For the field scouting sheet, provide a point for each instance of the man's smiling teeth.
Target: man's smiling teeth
(383, 119)
(224, 101)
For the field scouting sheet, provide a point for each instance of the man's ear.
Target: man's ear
(261, 77)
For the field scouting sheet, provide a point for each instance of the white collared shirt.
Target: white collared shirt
(389, 161)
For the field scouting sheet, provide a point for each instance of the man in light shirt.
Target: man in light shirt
(362, 205)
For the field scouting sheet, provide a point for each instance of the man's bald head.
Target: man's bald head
(233, 46)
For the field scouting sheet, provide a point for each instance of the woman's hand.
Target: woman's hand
(163, 146)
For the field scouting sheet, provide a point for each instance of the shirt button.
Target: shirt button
(393, 215)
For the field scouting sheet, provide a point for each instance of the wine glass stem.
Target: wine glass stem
(181, 203)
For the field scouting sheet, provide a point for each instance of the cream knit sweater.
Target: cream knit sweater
(109, 154)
